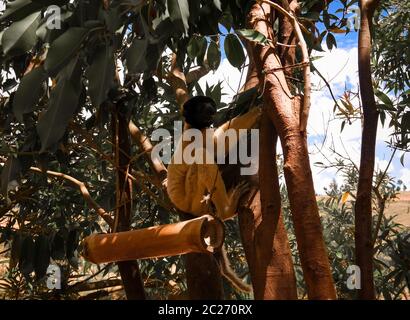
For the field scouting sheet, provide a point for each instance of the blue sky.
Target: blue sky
(339, 67)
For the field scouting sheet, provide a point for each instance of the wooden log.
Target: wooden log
(204, 234)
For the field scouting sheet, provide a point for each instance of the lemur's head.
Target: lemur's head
(199, 112)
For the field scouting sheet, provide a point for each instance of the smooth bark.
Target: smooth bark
(363, 206)
(298, 176)
(129, 270)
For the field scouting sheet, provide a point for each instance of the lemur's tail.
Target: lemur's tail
(229, 274)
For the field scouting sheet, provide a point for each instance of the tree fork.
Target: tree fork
(129, 270)
(298, 176)
(261, 225)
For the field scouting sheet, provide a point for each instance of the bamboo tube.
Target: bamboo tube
(204, 234)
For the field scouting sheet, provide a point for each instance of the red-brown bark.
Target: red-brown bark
(298, 176)
(129, 270)
(263, 233)
(363, 206)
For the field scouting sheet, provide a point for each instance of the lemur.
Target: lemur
(194, 187)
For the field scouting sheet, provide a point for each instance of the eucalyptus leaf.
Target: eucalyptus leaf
(42, 256)
(213, 55)
(15, 250)
(62, 104)
(179, 13)
(135, 56)
(331, 41)
(26, 262)
(29, 92)
(20, 37)
(19, 9)
(100, 75)
(253, 35)
(234, 51)
(58, 247)
(63, 49)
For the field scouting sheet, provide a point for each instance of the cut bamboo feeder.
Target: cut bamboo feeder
(204, 234)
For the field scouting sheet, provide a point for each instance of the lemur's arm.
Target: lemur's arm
(244, 121)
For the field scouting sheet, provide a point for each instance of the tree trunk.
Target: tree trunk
(298, 176)
(263, 233)
(204, 279)
(363, 206)
(129, 270)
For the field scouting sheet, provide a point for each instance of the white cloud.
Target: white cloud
(340, 68)
(229, 76)
(404, 175)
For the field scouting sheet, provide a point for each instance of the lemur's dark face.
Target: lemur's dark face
(199, 112)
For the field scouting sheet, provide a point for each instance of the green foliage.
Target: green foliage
(43, 219)
(253, 35)
(101, 75)
(29, 92)
(234, 50)
(20, 36)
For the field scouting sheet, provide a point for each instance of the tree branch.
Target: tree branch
(304, 112)
(84, 191)
(145, 145)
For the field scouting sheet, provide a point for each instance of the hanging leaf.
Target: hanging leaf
(29, 92)
(15, 250)
(42, 256)
(342, 126)
(26, 263)
(100, 75)
(193, 47)
(179, 13)
(382, 117)
(331, 41)
(63, 49)
(136, 56)
(63, 102)
(58, 247)
(226, 20)
(213, 55)
(202, 45)
(253, 35)
(198, 89)
(234, 50)
(18, 9)
(385, 99)
(217, 4)
(20, 37)
(10, 176)
(72, 244)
